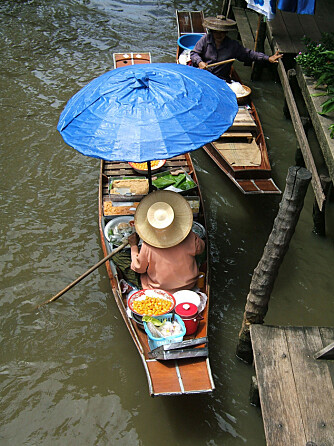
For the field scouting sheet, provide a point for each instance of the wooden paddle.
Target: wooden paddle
(93, 268)
(219, 63)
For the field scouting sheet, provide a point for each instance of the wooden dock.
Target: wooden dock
(285, 33)
(296, 390)
(287, 29)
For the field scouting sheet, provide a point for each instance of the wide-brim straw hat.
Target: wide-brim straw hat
(163, 219)
(219, 23)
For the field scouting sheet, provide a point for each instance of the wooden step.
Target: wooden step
(242, 135)
(243, 121)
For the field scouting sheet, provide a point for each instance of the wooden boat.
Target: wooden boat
(175, 376)
(241, 152)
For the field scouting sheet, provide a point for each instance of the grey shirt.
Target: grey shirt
(205, 51)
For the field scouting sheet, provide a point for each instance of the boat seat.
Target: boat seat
(242, 135)
(243, 121)
(240, 153)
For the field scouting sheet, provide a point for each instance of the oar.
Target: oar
(119, 248)
(219, 63)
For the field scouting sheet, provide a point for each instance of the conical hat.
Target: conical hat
(219, 23)
(163, 219)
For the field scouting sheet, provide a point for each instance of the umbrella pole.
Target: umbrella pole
(149, 174)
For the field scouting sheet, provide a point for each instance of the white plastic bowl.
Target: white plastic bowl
(187, 296)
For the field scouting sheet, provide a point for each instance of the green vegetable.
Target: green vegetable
(164, 181)
(154, 321)
(180, 179)
(187, 185)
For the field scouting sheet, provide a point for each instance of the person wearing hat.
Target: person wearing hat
(215, 46)
(166, 260)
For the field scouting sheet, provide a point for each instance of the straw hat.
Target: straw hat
(163, 219)
(219, 23)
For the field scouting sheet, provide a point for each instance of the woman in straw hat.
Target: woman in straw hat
(216, 46)
(166, 260)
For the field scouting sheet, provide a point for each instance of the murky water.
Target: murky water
(69, 372)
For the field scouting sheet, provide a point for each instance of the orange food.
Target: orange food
(143, 166)
(109, 209)
(152, 306)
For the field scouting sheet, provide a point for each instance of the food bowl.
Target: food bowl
(188, 41)
(242, 98)
(151, 302)
(119, 228)
(142, 167)
(199, 230)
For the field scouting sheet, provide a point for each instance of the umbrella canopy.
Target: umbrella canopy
(147, 112)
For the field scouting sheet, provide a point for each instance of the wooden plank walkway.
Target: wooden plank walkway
(320, 123)
(284, 33)
(296, 391)
(287, 29)
(247, 22)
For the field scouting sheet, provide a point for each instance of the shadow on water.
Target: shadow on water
(70, 373)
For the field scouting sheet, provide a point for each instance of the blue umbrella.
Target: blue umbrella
(147, 112)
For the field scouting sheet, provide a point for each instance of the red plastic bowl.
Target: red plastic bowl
(142, 294)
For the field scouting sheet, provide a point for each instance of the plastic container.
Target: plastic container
(189, 314)
(201, 280)
(188, 41)
(156, 342)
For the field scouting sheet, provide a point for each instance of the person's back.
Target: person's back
(166, 259)
(171, 269)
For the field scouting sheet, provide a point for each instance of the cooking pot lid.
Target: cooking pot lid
(186, 309)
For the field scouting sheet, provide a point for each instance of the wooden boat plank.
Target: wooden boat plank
(239, 153)
(243, 121)
(238, 134)
(166, 379)
(248, 186)
(237, 172)
(180, 376)
(189, 22)
(258, 186)
(267, 185)
(124, 59)
(195, 375)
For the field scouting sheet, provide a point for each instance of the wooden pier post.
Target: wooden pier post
(277, 245)
(259, 46)
(319, 215)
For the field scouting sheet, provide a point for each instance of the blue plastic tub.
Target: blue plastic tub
(188, 41)
(156, 342)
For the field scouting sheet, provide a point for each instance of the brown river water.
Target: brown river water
(70, 374)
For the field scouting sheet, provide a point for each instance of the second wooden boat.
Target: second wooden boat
(241, 152)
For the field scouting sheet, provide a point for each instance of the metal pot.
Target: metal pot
(188, 312)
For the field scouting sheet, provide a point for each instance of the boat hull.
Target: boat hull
(170, 377)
